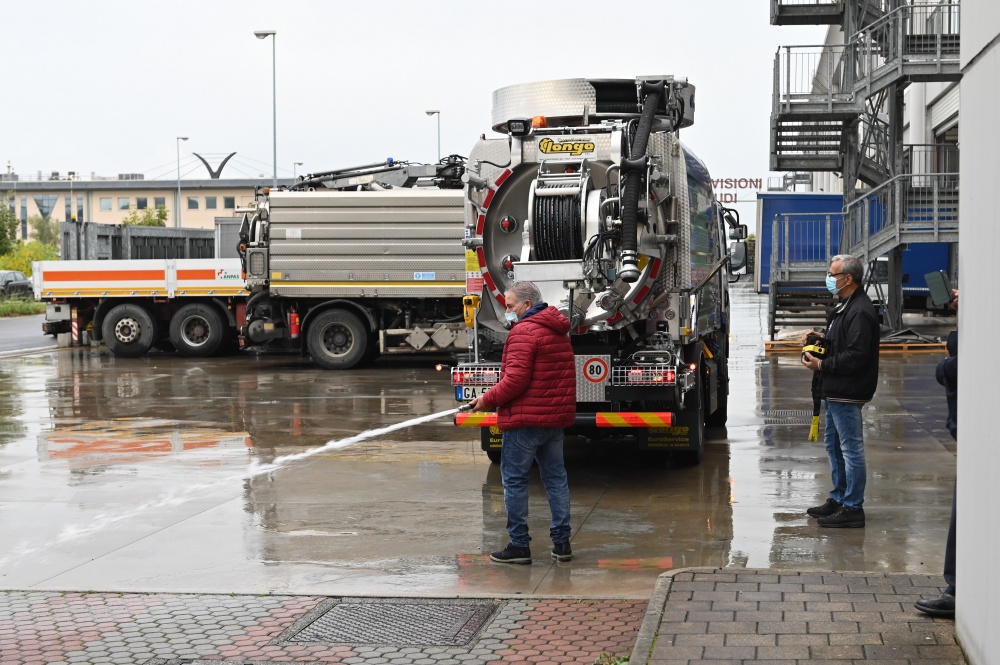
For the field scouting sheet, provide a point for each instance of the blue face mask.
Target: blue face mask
(511, 317)
(831, 285)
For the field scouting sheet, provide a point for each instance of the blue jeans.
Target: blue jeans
(846, 449)
(520, 447)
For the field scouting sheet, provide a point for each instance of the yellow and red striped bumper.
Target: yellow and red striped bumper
(475, 419)
(635, 419)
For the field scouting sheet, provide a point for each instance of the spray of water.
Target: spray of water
(184, 494)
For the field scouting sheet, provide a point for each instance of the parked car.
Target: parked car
(14, 284)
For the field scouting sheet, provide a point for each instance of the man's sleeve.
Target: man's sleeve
(521, 350)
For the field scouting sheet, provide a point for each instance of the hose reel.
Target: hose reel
(558, 209)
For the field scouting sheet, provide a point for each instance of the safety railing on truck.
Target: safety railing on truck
(910, 208)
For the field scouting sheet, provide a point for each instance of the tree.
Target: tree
(45, 230)
(148, 217)
(25, 254)
(8, 225)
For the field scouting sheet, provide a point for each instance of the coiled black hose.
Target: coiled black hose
(634, 179)
(557, 228)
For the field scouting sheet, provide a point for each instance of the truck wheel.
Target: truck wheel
(129, 331)
(337, 340)
(197, 330)
(719, 417)
(493, 455)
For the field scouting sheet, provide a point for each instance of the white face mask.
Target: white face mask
(831, 285)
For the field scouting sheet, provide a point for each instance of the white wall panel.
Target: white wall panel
(979, 26)
(978, 576)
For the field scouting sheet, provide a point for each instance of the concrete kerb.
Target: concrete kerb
(646, 639)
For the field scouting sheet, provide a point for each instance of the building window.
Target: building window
(192, 203)
(123, 203)
(229, 202)
(140, 203)
(946, 151)
(159, 202)
(45, 203)
(210, 203)
(105, 203)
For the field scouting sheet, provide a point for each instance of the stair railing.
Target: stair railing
(810, 74)
(802, 244)
(907, 208)
(906, 36)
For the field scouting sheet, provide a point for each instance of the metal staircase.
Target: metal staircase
(839, 107)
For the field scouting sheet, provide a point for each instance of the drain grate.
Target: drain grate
(786, 413)
(452, 623)
(788, 421)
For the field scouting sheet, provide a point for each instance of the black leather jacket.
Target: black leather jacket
(850, 369)
(947, 376)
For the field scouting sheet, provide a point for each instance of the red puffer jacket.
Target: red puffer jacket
(538, 374)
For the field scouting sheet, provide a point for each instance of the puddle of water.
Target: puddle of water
(189, 493)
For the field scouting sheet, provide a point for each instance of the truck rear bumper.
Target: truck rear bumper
(631, 419)
(55, 327)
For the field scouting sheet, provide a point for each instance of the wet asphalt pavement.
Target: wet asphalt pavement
(132, 475)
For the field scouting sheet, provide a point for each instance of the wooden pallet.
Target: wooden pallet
(793, 346)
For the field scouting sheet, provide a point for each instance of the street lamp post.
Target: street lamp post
(177, 208)
(263, 34)
(437, 112)
(295, 170)
(71, 176)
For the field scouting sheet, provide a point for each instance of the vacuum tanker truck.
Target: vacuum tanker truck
(350, 264)
(591, 195)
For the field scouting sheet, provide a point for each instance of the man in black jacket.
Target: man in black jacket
(947, 375)
(850, 375)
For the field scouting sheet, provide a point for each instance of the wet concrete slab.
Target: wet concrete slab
(132, 475)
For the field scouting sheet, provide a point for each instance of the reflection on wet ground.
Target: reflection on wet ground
(132, 475)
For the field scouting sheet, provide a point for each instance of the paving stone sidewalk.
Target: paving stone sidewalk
(178, 629)
(747, 616)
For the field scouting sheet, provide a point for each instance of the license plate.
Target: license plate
(469, 393)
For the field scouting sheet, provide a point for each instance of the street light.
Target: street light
(177, 208)
(71, 176)
(295, 170)
(263, 34)
(437, 112)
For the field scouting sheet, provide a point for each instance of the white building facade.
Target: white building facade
(978, 575)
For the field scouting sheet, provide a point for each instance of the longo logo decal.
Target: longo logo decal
(575, 148)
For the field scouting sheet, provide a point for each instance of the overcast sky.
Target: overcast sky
(106, 86)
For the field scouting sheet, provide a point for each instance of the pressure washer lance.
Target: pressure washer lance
(465, 407)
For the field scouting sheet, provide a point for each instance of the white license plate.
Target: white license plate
(469, 393)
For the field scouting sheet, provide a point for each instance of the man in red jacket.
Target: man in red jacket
(535, 400)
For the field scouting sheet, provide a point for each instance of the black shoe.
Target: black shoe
(562, 552)
(824, 510)
(845, 518)
(942, 606)
(512, 554)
